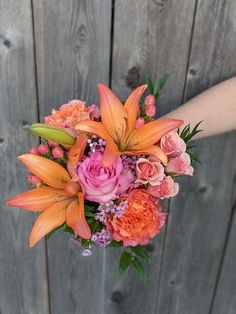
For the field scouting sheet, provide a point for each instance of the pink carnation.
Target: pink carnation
(149, 171)
(180, 165)
(69, 115)
(167, 188)
(172, 144)
(102, 184)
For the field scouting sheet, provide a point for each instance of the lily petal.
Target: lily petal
(151, 133)
(75, 218)
(51, 218)
(113, 113)
(93, 127)
(75, 154)
(154, 151)
(47, 170)
(110, 155)
(132, 107)
(38, 199)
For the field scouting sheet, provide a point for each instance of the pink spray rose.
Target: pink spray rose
(167, 188)
(149, 171)
(180, 165)
(172, 144)
(151, 110)
(149, 100)
(139, 123)
(102, 184)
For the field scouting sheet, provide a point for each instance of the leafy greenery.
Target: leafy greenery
(139, 268)
(114, 243)
(48, 236)
(141, 251)
(187, 134)
(155, 88)
(125, 261)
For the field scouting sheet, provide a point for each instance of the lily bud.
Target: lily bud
(52, 133)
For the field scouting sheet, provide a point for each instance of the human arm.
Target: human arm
(216, 107)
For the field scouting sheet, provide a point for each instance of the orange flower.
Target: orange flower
(69, 115)
(142, 219)
(60, 201)
(118, 127)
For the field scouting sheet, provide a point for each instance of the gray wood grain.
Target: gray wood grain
(23, 281)
(150, 38)
(200, 218)
(73, 54)
(225, 292)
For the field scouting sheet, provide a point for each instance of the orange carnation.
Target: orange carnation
(69, 115)
(141, 220)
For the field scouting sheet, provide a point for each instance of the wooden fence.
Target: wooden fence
(52, 51)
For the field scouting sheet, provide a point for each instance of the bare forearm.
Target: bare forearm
(216, 107)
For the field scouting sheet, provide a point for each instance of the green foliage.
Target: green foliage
(48, 236)
(139, 268)
(187, 134)
(125, 261)
(159, 85)
(68, 229)
(141, 251)
(155, 88)
(115, 244)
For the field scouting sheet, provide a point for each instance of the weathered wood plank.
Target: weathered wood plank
(150, 37)
(23, 281)
(200, 217)
(73, 52)
(225, 296)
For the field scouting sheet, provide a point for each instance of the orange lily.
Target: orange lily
(60, 201)
(118, 127)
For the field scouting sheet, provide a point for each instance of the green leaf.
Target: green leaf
(141, 251)
(139, 268)
(148, 81)
(48, 236)
(115, 244)
(68, 229)
(89, 214)
(125, 261)
(159, 85)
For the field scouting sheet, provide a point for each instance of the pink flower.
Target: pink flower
(57, 152)
(139, 123)
(69, 115)
(34, 180)
(43, 149)
(180, 165)
(94, 112)
(149, 100)
(34, 151)
(151, 110)
(172, 144)
(52, 144)
(149, 171)
(102, 184)
(167, 188)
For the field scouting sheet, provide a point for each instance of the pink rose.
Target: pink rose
(172, 144)
(102, 184)
(167, 188)
(180, 165)
(149, 171)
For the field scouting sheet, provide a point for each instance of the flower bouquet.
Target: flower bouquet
(100, 174)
